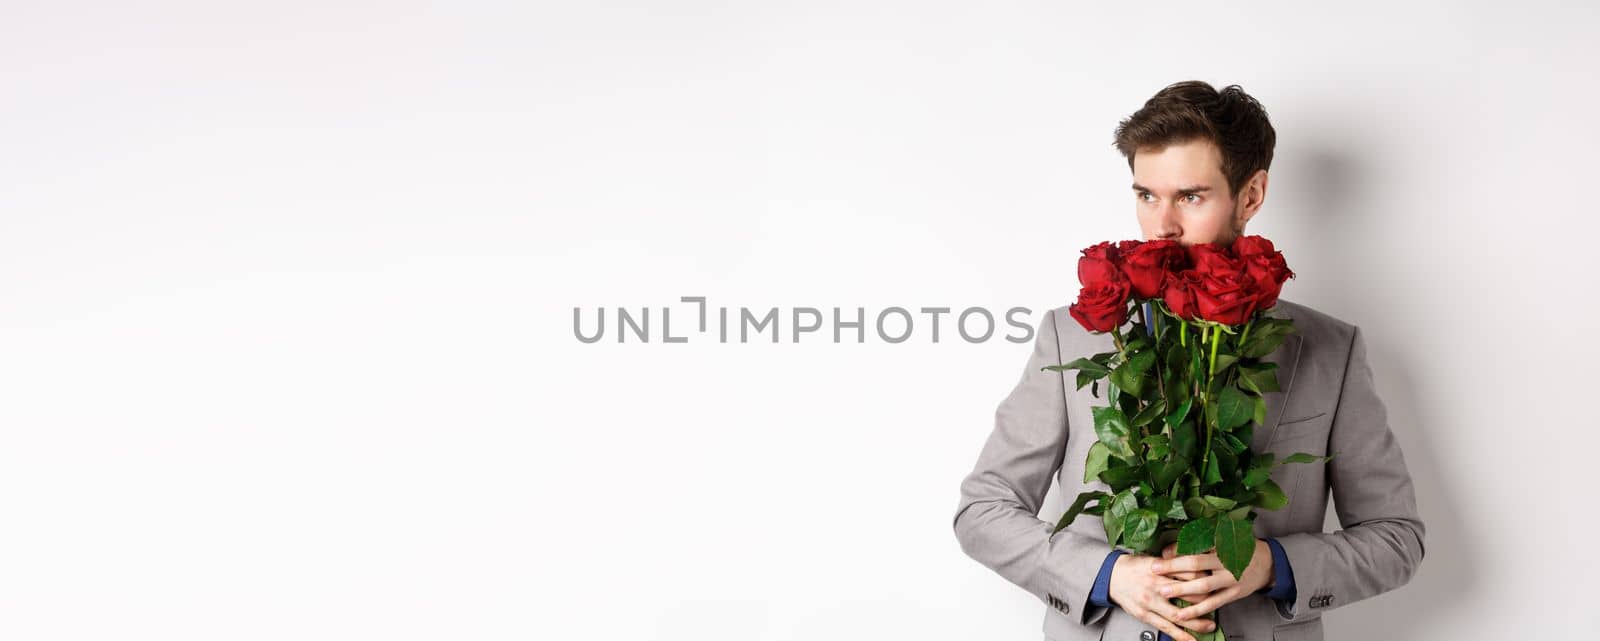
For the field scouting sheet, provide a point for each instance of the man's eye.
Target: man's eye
(1144, 196)
(1196, 198)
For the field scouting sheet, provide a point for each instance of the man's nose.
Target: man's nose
(1167, 223)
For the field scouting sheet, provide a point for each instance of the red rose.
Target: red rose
(1266, 267)
(1207, 257)
(1099, 264)
(1226, 297)
(1226, 293)
(1268, 271)
(1179, 293)
(1247, 246)
(1102, 307)
(1148, 264)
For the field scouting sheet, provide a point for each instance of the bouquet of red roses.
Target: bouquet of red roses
(1184, 392)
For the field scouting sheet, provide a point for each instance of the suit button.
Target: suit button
(1147, 636)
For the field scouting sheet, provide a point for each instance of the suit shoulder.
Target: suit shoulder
(1070, 337)
(1066, 329)
(1312, 322)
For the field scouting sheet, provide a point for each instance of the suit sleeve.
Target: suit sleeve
(1381, 543)
(1282, 574)
(996, 520)
(1100, 594)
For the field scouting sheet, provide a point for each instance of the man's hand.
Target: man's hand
(1137, 590)
(1215, 584)
(1172, 551)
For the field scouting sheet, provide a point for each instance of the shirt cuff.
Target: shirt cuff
(1282, 575)
(1100, 594)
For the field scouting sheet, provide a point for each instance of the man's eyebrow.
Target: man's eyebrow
(1193, 189)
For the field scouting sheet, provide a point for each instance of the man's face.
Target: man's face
(1180, 194)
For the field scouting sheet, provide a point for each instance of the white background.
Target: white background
(286, 298)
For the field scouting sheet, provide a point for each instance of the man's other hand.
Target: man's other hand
(1136, 588)
(1215, 585)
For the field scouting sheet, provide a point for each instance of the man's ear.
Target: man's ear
(1252, 195)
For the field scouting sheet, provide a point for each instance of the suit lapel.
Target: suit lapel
(1287, 356)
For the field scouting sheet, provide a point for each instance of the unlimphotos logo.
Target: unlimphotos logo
(744, 324)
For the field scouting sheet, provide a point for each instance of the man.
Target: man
(1199, 159)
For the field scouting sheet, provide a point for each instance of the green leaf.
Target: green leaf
(1129, 403)
(1302, 457)
(1184, 440)
(1138, 527)
(1213, 473)
(1265, 337)
(1233, 408)
(1099, 459)
(1177, 357)
(1159, 504)
(1236, 544)
(1121, 506)
(1130, 375)
(1224, 456)
(1233, 443)
(1149, 413)
(1197, 508)
(1156, 447)
(1260, 416)
(1271, 496)
(1120, 477)
(1085, 365)
(1167, 473)
(1077, 508)
(1259, 377)
(1223, 361)
(1167, 508)
(1111, 425)
(1240, 513)
(1085, 378)
(1257, 475)
(1197, 536)
(1182, 411)
(1219, 502)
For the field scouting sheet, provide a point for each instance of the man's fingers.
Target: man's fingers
(1169, 610)
(1172, 552)
(1210, 603)
(1172, 629)
(1203, 585)
(1198, 625)
(1187, 563)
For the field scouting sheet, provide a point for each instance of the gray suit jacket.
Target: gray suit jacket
(1043, 430)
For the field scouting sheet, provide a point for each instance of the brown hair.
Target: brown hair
(1191, 110)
